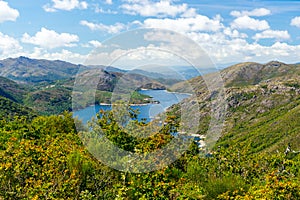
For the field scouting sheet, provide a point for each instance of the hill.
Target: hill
(36, 71)
(26, 70)
(10, 109)
(244, 74)
(106, 83)
(261, 100)
(46, 86)
(12, 90)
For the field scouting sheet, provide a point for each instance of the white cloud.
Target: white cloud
(191, 12)
(233, 33)
(64, 55)
(272, 34)
(183, 25)
(101, 10)
(8, 45)
(7, 13)
(135, 57)
(258, 12)
(50, 39)
(108, 2)
(148, 8)
(96, 43)
(226, 50)
(65, 5)
(246, 22)
(116, 28)
(295, 22)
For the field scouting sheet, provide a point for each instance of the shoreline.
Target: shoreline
(109, 104)
(137, 104)
(143, 89)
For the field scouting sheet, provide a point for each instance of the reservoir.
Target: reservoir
(147, 111)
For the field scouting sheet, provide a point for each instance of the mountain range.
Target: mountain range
(46, 86)
(256, 155)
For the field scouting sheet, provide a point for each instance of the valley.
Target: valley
(47, 154)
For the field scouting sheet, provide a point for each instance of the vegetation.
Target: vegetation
(44, 158)
(257, 157)
(9, 110)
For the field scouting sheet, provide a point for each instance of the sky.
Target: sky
(227, 31)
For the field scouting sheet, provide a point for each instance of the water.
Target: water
(147, 112)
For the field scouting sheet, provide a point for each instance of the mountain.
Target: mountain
(263, 103)
(249, 73)
(38, 71)
(49, 84)
(45, 99)
(105, 84)
(107, 68)
(254, 73)
(56, 96)
(172, 72)
(26, 70)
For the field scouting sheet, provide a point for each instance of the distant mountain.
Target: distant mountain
(150, 74)
(107, 68)
(26, 70)
(37, 71)
(49, 84)
(173, 72)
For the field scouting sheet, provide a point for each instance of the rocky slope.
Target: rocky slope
(262, 105)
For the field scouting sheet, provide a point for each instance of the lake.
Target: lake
(148, 111)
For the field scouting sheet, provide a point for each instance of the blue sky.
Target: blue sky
(228, 31)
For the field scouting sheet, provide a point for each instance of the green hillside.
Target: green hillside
(259, 98)
(9, 110)
(12, 90)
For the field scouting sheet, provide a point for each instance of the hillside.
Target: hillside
(10, 109)
(262, 103)
(244, 74)
(26, 70)
(46, 86)
(106, 83)
(12, 90)
(37, 71)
